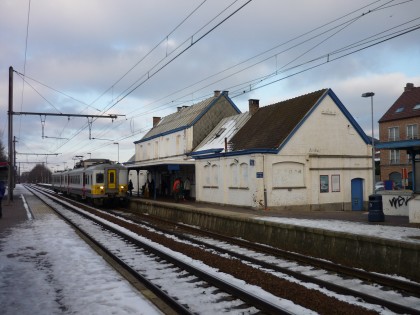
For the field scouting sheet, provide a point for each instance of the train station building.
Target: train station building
(304, 152)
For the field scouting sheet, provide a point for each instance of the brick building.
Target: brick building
(399, 127)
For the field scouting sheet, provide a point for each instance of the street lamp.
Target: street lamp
(371, 94)
(117, 143)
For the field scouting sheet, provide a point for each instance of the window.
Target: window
(99, 178)
(215, 173)
(156, 149)
(207, 174)
(244, 175)
(412, 131)
(393, 133)
(324, 184)
(233, 175)
(399, 110)
(417, 106)
(335, 183)
(394, 157)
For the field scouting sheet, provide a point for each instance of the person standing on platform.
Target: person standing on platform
(177, 189)
(2, 192)
(130, 187)
(187, 188)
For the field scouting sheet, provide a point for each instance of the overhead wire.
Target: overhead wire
(168, 62)
(300, 65)
(24, 62)
(266, 51)
(342, 26)
(324, 56)
(165, 64)
(150, 51)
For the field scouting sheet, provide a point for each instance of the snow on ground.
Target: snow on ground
(45, 268)
(372, 230)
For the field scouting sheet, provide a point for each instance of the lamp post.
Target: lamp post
(117, 143)
(371, 94)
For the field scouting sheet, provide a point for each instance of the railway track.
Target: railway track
(208, 238)
(372, 288)
(187, 288)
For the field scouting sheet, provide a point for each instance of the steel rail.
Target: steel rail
(179, 308)
(412, 288)
(239, 293)
(407, 286)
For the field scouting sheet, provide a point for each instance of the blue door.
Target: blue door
(357, 194)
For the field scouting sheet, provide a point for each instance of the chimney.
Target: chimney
(156, 120)
(409, 87)
(226, 93)
(216, 93)
(254, 105)
(179, 108)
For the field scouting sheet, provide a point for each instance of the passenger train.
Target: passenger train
(98, 180)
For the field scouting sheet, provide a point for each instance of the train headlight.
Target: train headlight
(101, 187)
(122, 187)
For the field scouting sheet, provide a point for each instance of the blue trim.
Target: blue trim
(209, 151)
(296, 128)
(162, 134)
(404, 144)
(346, 113)
(335, 99)
(224, 93)
(236, 153)
(212, 103)
(343, 109)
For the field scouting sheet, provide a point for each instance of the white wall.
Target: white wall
(326, 144)
(141, 180)
(171, 145)
(395, 202)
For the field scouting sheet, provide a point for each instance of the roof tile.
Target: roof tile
(270, 125)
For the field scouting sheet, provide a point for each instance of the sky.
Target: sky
(139, 59)
(43, 260)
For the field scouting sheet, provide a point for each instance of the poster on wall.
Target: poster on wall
(335, 183)
(324, 183)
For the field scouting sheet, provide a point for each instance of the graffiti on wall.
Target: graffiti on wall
(399, 201)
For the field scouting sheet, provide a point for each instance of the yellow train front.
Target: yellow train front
(106, 182)
(98, 182)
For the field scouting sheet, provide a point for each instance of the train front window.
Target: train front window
(99, 178)
(111, 178)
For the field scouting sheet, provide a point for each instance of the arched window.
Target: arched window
(288, 174)
(215, 173)
(233, 170)
(243, 170)
(207, 175)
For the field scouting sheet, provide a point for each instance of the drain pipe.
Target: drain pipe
(265, 188)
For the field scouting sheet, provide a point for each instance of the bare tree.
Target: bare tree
(3, 157)
(39, 174)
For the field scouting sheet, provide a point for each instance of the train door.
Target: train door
(84, 185)
(112, 179)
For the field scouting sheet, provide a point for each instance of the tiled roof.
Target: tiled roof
(404, 106)
(182, 118)
(271, 125)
